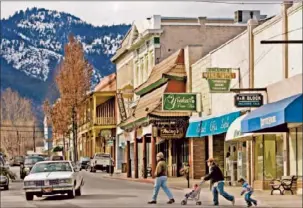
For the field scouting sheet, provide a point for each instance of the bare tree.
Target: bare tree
(16, 117)
(74, 81)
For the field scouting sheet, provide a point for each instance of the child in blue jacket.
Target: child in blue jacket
(249, 191)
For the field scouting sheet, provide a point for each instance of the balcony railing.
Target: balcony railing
(105, 121)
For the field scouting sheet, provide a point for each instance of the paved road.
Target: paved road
(102, 192)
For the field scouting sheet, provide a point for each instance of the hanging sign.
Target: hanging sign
(246, 100)
(179, 102)
(121, 106)
(176, 133)
(219, 79)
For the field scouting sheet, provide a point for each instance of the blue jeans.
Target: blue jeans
(161, 182)
(248, 198)
(220, 190)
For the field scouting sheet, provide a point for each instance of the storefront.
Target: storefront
(213, 131)
(275, 149)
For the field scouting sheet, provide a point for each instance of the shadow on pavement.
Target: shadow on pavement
(93, 196)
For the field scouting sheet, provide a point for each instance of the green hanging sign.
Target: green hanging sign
(179, 102)
(219, 79)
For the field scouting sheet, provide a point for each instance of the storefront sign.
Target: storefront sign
(268, 121)
(171, 133)
(179, 102)
(121, 106)
(109, 142)
(217, 125)
(219, 79)
(248, 100)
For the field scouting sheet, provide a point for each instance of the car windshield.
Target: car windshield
(85, 159)
(32, 160)
(102, 156)
(52, 167)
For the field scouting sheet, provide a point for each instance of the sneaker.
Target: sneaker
(152, 202)
(171, 201)
(255, 203)
(233, 201)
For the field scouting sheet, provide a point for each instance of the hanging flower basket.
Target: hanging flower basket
(58, 149)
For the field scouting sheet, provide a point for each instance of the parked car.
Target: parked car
(53, 177)
(28, 164)
(16, 161)
(103, 162)
(4, 180)
(84, 162)
(56, 158)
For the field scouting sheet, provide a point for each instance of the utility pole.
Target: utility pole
(34, 138)
(18, 143)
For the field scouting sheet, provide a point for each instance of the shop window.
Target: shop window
(295, 151)
(268, 157)
(185, 151)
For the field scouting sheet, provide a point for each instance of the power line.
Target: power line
(246, 3)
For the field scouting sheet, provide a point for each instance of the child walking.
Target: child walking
(249, 191)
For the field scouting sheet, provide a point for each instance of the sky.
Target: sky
(114, 12)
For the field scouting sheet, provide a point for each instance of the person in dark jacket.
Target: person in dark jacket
(217, 182)
(161, 180)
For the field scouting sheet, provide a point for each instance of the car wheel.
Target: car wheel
(78, 191)
(29, 196)
(71, 194)
(6, 187)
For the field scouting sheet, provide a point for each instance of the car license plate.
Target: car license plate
(46, 183)
(47, 190)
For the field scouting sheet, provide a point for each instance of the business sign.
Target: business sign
(179, 102)
(247, 100)
(175, 133)
(219, 79)
(121, 106)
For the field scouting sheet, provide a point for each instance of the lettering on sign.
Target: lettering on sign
(219, 79)
(248, 100)
(121, 106)
(179, 102)
(171, 132)
(268, 121)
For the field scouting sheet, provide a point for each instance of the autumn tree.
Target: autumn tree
(17, 120)
(74, 82)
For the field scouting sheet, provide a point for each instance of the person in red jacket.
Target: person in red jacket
(217, 182)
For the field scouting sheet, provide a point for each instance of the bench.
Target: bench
(283, 184)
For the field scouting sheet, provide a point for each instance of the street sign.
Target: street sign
(219, 79)
(179, 102)
(248, 100)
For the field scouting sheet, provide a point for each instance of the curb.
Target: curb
(140, 181)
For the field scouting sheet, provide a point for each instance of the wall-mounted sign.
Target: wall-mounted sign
(219, 79)
(247, 100)
(179, 102)
(121, 106)
(174, 133)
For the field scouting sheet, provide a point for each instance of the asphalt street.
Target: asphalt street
(103, 192)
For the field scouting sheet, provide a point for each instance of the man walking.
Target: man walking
(161, 180)
(217, 182)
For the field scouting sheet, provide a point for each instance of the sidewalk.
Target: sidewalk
(264, 198)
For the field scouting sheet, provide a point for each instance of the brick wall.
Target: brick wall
(198, 166)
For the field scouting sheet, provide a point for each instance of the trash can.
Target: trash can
(123, 167)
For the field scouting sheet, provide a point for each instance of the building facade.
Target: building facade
(273, 149)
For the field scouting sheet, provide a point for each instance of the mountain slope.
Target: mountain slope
(33, 42)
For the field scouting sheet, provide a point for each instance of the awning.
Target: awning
(234, 131)
(212, 125)
(288, 110)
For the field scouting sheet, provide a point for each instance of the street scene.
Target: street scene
(151, 104)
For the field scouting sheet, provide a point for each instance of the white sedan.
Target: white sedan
(53, 177)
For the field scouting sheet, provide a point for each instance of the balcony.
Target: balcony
(104, 121)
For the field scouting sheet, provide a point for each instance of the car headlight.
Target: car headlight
(66, 181)
(27, 169)
(29, 183)
(3, 178)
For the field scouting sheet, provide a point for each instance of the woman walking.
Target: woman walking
(161, 180)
